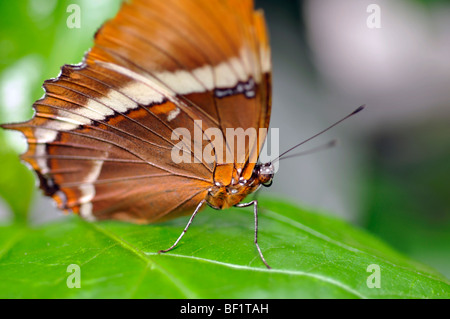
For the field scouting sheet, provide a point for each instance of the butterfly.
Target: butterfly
(102, 138)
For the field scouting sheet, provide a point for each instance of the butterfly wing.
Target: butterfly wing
(101, 138)
(214, 55)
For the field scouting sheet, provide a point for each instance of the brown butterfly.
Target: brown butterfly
(101, 138)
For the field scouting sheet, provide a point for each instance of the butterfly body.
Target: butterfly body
(225, 196)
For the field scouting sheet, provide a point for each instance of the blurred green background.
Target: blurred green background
(391, 172)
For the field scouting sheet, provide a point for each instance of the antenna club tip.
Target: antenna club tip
(359, 109)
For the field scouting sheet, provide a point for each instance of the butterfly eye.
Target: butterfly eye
(269, 183)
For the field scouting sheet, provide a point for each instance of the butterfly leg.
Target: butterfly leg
(185, 228)
(255, 211)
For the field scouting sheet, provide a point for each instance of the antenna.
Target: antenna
(330, 144)
(359, 109)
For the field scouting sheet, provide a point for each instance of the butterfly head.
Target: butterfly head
(264, 173)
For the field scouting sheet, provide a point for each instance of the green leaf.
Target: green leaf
(313, 256)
